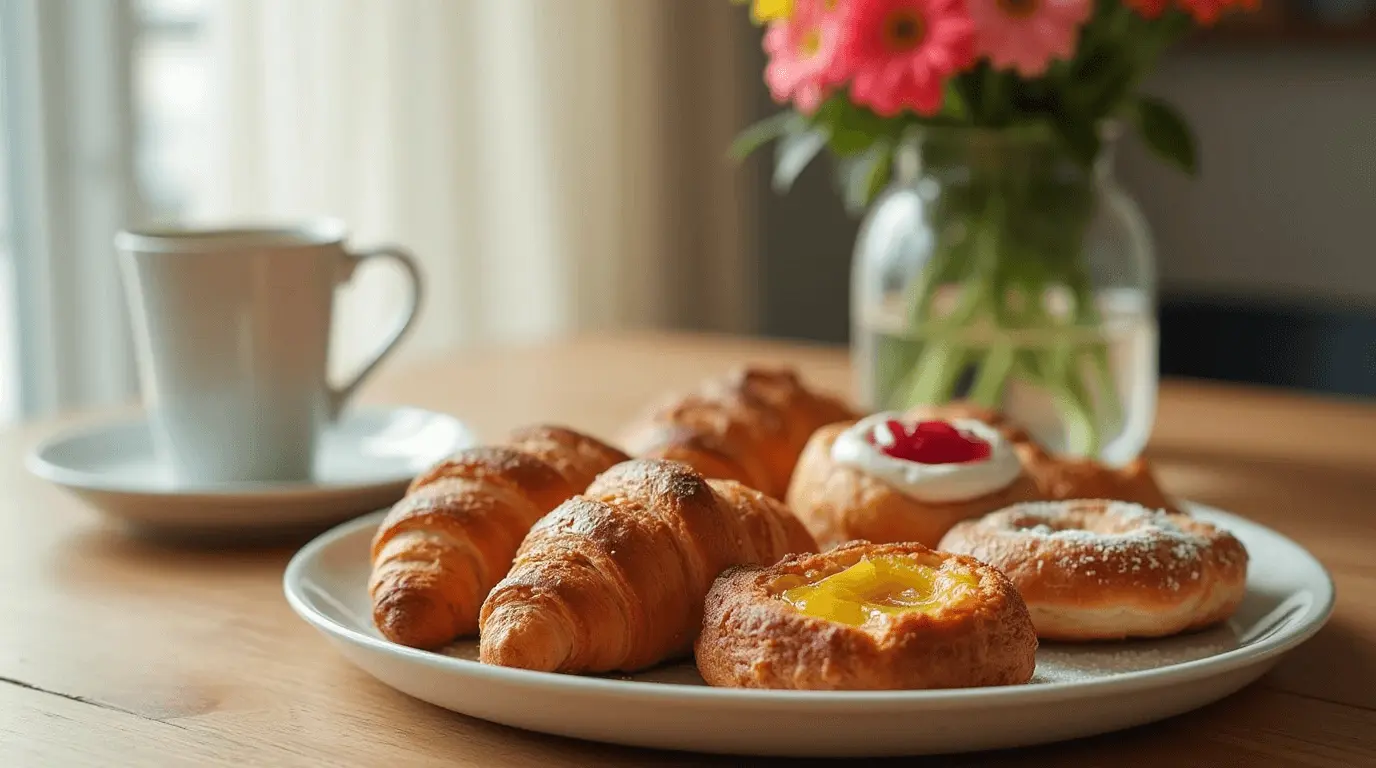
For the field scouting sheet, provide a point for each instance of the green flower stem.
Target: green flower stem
(1010, 234)
(991, 377)
(935, 376)
(1053, 370)
(1087, 314)
(993, 374)
(992, 94)
(940, 271)
(942, 361)
(1077, 410)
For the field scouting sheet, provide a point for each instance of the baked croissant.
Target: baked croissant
(454, 534)
(615, 579)
(749, 425)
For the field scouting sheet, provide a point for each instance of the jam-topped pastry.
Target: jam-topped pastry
(1059, 477)
(928, 442)
(893, 477)
(866, 617)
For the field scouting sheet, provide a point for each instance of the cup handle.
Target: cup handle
(352, 259)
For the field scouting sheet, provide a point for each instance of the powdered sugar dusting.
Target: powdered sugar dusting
(1122, 539)
(1056, 662)
(1074, 662)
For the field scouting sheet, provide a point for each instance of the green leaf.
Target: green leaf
(1079, 135)
(1165, 132)
(830, 110)
(953, 103)
(759, 134)
(866, 176)
(846, 140)
(853, 128)
(793, 153)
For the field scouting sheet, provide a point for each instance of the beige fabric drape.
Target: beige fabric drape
(557, 165)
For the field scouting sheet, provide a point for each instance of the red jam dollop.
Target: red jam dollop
(928, 442)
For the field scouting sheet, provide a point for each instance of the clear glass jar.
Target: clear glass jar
(997, 269)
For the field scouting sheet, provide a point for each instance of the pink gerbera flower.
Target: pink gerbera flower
(1026, 35)
(898, 53)
(800, 50)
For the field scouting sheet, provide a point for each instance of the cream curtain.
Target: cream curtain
(557, 165)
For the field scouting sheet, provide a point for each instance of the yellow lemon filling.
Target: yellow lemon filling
(884, 585)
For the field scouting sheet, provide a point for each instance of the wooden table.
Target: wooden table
(120, 652)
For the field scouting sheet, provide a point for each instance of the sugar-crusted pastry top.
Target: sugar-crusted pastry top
(1111, 540)
(1098, 569)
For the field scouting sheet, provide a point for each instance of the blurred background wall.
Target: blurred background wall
(560, 167)
(556, 167)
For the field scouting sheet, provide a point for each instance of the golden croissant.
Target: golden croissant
(615, 579)
(749, 425)
(442, 547)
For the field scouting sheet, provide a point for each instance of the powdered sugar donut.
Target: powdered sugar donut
(1098, 570)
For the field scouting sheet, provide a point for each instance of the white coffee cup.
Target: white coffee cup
(232, 331)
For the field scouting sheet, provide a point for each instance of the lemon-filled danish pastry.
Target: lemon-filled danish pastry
(866, 617)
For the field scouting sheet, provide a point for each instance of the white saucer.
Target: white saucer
(1078, 690)
(365, 462)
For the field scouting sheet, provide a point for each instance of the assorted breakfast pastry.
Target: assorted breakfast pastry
(866, 617)
(453, 536)
(951, 542)
(748, 425)
(615, 579)
(894, 477)
(1095, 569)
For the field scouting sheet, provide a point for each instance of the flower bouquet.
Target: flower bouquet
(998, 261)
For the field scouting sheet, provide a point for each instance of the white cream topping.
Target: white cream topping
(933, 483)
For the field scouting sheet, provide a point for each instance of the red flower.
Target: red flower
(1207, 12)
(1026, 35)
(897, 54)
(1149, 9)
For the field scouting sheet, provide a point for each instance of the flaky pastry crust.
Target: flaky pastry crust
(748, 425)
(1064, 478)
(1095, 569)
(753, 639)
(838, 503)
(614, 578)
(444, 545)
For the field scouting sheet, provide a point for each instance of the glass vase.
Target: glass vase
(997, 269)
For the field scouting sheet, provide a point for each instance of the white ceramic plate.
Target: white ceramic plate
(1078, 690)
(366, 460)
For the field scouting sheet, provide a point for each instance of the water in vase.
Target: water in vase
(1084, 390)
